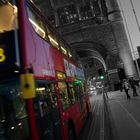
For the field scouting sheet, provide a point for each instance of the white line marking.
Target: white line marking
(96, 109)
(102, 121)
(130, 115)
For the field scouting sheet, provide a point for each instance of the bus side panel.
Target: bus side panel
(36, 50)
(74, 113)
(59, 62)
(87, 102)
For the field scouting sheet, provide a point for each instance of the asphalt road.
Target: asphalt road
(115, 118)
(125, 115)
(97, 126)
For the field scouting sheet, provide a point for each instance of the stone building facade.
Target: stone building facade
(96, 34)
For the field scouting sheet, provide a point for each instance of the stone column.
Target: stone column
(124, 49)
(121, 38)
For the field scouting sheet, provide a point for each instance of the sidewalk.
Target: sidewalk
(124, 115)
(118, 94)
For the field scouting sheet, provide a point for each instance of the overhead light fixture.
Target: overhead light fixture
(19, 124)
(52, 40)
(12, 127)
(16, 71)
(70, 54)
(64, 49)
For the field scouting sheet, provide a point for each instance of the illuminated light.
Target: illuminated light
(3, 121)
(51, 39)
(14, 6)
(16, 71)
(64, 49)
(38, 27)
(15, 9)
(12, 127)
(61, 75)
(70, 54)
(2, 55)
(101, 77)
(19, 124)
(32, 1)
(77, 82)
(94, 78)
(40, 89)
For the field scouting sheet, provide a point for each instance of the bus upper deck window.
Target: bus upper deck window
(69, 54)
(63, 50)
(36, 22)
(53, 41)
(8, 18)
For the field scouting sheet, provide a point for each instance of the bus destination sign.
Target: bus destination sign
(2, 55)
(7, 54)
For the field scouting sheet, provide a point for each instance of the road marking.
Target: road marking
(130, 115)
(95, 109)
(102, 123)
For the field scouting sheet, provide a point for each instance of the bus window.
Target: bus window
(46, 110)
(63, 95)
(53, 41)
(40, 27)
(63, 49)
(79, 93)
(52, 38)
(71, 93)
(69, 54)
(13, 117)
(36, 22)
(8, 18)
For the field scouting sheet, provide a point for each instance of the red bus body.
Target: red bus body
(46, 62)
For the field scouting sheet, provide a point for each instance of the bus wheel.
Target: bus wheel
(71, 133)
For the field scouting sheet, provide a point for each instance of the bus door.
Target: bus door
(47, 113)
(13, 117)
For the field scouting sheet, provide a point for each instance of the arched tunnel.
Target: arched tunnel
(97, 35)
(89, 52)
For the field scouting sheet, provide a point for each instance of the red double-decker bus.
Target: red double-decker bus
(42, 91)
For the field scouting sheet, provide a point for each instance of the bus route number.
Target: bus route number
(2, 56)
